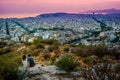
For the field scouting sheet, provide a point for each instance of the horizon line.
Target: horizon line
(26, 15)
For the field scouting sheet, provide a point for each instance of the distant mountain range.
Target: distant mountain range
(106, 11)
(53, 14)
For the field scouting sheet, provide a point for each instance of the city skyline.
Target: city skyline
(25, 8)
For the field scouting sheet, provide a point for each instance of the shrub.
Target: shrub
(36, 40)
(50, 41)
(34, 52)
(115, 52)
(46, 56)
(82, 52)
(5, 50)
(2, 44)
(32, 47)
(52, 48)
(53, 59)
(66, 49)
(40, 45)
(67, 62)
(88, 60)
(26, 43)
(9, 66)
(10, 72)
(100, 50)
(45, 41)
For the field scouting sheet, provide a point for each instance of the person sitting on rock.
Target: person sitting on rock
(31, 62)
(24, 61)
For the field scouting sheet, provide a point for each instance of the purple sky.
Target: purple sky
(22, 8)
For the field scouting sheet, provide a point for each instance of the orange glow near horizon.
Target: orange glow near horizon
(18, 15)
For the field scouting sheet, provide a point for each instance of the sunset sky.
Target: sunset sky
(23, 8)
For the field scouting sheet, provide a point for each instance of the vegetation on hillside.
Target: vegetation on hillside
(49, 52)
(67, 62)
(9, 64)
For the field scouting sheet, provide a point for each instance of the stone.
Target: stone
(75, 73)
(61, 72)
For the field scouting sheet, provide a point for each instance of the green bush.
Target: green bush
(45, 41)
(88, 60)
(36, 40)
(8, 70)
(5, 50)
(9, 66)
(3, 44)
(82, 52)
(40, 45)
(100, 50)
(32, 47)
(50, 41)
(53, 59)
(67, 62)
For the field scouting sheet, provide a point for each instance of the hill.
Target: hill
(106, 11)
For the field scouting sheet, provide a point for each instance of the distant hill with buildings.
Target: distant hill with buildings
(106, 11)
(53, 14)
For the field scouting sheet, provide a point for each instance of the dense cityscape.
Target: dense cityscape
(86, 29)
